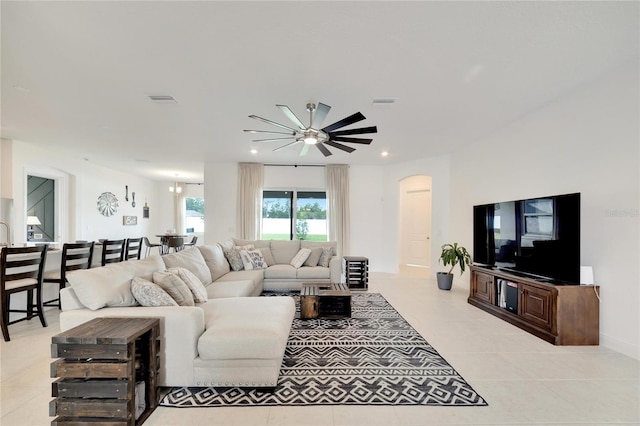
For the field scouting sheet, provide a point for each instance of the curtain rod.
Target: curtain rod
(294, 165)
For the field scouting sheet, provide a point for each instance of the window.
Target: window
(299, 214)
(194, 214)
(538, 217)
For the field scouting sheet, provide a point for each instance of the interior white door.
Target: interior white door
(416, 227)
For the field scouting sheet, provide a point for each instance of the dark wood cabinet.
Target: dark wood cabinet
(107, 372)
(559, 314)
(482, 287)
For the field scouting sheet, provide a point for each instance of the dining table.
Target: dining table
(164, 240)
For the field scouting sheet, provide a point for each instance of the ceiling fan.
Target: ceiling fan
(313, 134)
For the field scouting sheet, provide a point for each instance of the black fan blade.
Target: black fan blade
(273, 122)
(323, 149)
(285, 146)
(271, 139)
(354, 118)
(358, 131)
(321, 113)
(270, 131)
(352, 140)
(340, 146)
(291, 116)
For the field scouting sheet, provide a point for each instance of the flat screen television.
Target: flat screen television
(536, 237)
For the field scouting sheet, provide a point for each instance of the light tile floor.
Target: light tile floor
(524, 379)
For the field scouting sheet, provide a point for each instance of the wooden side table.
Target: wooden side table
(356, 272)
(100, 363)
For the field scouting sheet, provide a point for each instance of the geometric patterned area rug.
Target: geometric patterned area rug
(373, 358)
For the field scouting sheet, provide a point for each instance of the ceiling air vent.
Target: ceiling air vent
(163, 99)
(383, 103)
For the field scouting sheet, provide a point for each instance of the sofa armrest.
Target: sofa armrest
(335, 269)
(180, 329)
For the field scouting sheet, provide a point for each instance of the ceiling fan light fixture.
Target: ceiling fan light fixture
(310, 137)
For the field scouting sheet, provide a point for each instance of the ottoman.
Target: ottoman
(244, 341)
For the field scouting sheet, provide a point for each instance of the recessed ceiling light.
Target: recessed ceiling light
(384, 153)
(254, 151)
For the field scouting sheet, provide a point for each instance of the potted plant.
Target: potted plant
(452, 254)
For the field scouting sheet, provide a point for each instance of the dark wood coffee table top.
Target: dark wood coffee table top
(321, 300)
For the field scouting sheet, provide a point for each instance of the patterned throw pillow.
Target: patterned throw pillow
(172, 284)
(193, 282)
(234, 258)
(325, 257)
(150, 294)
(300, 257)
(253, 259)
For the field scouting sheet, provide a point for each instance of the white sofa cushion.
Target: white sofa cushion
(105, 286)
(300, 257)
(313, 272)
(254, 243)
(314, 256)
(172, 284)
(198, 290)
(257, 276)
(242, 288)
(215, 260)
(144, 268)
(280, 272)
(150, 294)
(246, 327)
(268, 256)
(192, 260)
(283, 251)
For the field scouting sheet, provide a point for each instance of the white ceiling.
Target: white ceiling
(77, 75)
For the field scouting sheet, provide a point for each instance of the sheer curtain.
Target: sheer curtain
(249, 211)
(337, 182)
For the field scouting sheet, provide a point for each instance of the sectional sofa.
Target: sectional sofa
(226, 336)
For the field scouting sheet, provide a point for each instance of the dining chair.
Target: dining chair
(176, 243)
(21, 271)
(74, 256)
(133, 249)
(112, 251)
(151, 245)
(193, 242)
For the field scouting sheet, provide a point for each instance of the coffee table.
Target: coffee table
(322, 300)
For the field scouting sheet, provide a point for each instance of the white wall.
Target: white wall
(586, 142)
(375, 209)
(85, 181)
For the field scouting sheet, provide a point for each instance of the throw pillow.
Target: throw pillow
(198, 289)
(172, 284)
(234, 259)
(252, 259)
(314, 257)
(300, 257)
(150, 294)
(233, 256)
(268, 256)
(106, 286)
(325, 257)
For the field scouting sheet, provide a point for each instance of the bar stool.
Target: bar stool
(21, 270)
(133, 249)
(150, 245)
(74, 256)
(112, 251)
(193, 242)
